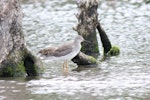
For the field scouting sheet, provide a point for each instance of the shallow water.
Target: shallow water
(125, 77)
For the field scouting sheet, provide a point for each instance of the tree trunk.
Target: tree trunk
(15, 59)
(87, 21)
(87, 25)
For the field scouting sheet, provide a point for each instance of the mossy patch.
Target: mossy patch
(96, 49)
(91, 50)
(92, 59)
(21, 63)
(20, 69)
(7, 72)
(114, 51)
(13, 70)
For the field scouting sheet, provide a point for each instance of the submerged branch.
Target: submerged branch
(104, 39)
(83, 59)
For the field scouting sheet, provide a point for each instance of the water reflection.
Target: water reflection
(125, 77)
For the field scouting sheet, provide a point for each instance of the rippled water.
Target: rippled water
(125, 77)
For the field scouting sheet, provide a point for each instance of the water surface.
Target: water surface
(125, 77)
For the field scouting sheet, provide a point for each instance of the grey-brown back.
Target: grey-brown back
(63, 50)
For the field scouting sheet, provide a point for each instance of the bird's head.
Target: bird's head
(79, 38)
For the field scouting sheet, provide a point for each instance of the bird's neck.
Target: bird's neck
(77, 45)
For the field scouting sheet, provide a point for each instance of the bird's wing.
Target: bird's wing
(48, 51)
(63, 50)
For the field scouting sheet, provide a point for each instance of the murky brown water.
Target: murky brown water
(125, 77)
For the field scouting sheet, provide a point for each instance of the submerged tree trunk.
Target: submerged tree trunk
(87, 20)
(15, 59)
(87, 25)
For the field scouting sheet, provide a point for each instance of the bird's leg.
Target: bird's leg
(63, 65)
(66, 66)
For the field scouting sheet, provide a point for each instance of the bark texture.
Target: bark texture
(87, 24)
(15, 59)
(87, 21)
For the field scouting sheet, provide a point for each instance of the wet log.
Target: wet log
(109, 50)
(83, 59)
(15, 59)
(104, 39)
